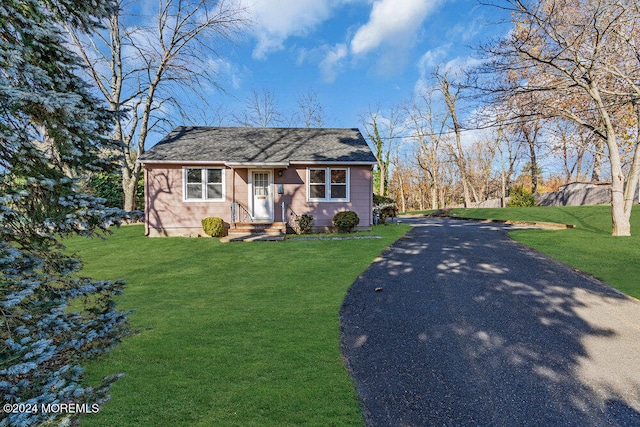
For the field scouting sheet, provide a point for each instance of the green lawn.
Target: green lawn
(589, 247)
(248, 333)
(229, 334)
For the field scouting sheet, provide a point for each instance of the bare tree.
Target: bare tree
(144, 68)
(382, 132)
(481, 156)
(427, 126)
(400, 181)
(530, 131)
(451, 92)
(211, 116)
(583, 58)
(573, 143)
(260, 110)
(311, 110)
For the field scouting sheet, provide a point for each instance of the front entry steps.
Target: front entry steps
(255, 231)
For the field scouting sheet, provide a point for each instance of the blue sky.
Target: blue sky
(355, 54)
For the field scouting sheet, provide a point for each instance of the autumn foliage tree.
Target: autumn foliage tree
(582, 59)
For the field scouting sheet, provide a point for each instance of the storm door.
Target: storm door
(262, 195)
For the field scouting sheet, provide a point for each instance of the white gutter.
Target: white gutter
(332, 162)
(284, 164)
(182, 162)
(258, 164)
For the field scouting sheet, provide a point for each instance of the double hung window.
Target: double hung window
(204, 184)
(328, 184)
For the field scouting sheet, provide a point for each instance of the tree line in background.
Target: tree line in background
(430, 159)
(565, 83)
(555, 86)
(561, 88)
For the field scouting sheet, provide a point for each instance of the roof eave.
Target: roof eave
(181, 162)
(333, 162)
(283, 164)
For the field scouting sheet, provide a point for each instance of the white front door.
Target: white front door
(261, 195)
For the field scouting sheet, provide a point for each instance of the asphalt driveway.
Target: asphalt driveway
(456, 324)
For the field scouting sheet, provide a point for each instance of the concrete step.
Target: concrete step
(258, 227)
(252, 237)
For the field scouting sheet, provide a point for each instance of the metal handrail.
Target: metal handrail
(289, 216)
(240, 214)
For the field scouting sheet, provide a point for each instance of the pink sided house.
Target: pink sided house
(255, 178)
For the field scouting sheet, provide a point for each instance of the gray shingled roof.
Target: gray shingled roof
(260, 145)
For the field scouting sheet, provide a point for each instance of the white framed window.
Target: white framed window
(328, 184)
(203, 184)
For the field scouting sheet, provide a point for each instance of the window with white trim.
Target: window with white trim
(328, 184)
(204, 184)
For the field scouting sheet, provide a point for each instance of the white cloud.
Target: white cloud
(432, 58)
(467, 30)
(435, 58)
(277, 20)
(226, 71)
(332, 62)
(392, 23)
(427, 63)
(460, 64)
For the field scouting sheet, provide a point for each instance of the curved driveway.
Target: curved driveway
(472, 328)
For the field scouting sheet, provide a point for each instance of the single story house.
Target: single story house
(256, 177)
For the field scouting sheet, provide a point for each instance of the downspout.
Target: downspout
(147, 199)
(233, 194)
(371, 198)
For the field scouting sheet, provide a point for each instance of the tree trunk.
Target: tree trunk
(567, 171)
(531, 136)
(450, 100)
(620, 218)
(503, 200)
(579, 166)
(402, 196)
(476, 199)
(597, 161)
(434, 198)
(130, 179)
(620, 224)
(443, 197)
(463, 170)
(634, 172)
(534, 170)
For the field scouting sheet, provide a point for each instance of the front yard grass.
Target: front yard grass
(229, 334)
(589, 247)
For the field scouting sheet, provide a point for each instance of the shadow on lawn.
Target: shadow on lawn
(471, 328)
(582, 224)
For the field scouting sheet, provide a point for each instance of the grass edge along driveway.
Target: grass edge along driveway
(589, 247)
(229, 334)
